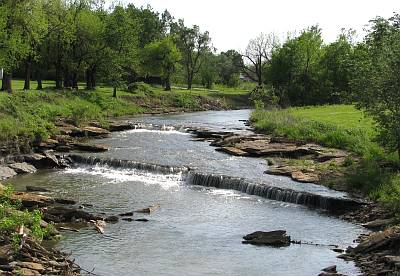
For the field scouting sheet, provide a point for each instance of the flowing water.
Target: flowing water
(198, 230)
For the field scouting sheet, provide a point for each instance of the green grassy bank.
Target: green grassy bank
(31, 113)
(345, 127)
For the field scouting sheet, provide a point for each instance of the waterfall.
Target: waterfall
(331, 204)
(335, 205)
(126, 164)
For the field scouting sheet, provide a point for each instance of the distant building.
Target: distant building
(245, 78)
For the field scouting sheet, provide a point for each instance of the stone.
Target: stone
(305, 177)
(128, 219)
(149, 209)
(91, 131)
(6, 173)
(112, 219)
(31, 200)
(22, 167)
(142, 220)
(273, 238)
(128, 214)
(379, 224)
(114, 126)
(36, 189)
(27, 272)
(65, 201)
(47, 160)
(31, 265)
(330, 269)
(6, 254)
(90, 147)
(233, 151)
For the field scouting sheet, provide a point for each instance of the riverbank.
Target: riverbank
(358, 165)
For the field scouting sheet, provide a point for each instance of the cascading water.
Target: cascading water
(331, 204)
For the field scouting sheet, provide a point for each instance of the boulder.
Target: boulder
(22, 167)
(30, 200)
(90, 147)
(379, 224)
(378, 241)
(6, 173)
(47, 160)
(273, 238)
(233, 151)
(330, 269)
(149, 209)
(91, 131)
(112, 219)
(114, 126)
(36, 189)
(6, 254)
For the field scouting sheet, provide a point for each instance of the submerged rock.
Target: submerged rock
(6, 173)
(149, 209)
(22, 167)
(36, 189)
(273, 238)
(90, 147)
(112, 219)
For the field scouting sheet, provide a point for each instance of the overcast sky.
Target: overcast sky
(232, 23)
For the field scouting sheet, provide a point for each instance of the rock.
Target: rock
(90, 147)
(112, 219)
(128, 219)
(149, 209)
(233, 151)
(31, 265)
(63, 214)
(379, 224)
(47, 160)
(6, 173)
(128, 214)
(384, 240)
(65, 201)
(22, 167)
(91, 131)
(273, 238)
(27, 272)
(120, 126)
(36, 189)
(330, 269)
(71, 130)
(305, 177)
(6, 254)
(31, 200)
(337, 250)
(48, 144)
(142, 220)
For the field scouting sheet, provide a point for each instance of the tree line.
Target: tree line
(303, 70)
(73, 40)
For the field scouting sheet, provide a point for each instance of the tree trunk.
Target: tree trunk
(58, 78)
(167, 84)
(88, 80)
(39, 83)
(8, 78)
(3, 84)
(74, 81)
(189, 82)
(115, 92)
(27, 84)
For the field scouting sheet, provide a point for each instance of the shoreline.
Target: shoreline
(216, 139)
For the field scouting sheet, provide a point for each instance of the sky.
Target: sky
(233, 23)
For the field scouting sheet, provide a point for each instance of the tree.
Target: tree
(229, 65)
(258, 53)
(21, 26)
(193, 45)
(376, 78)
(121, 36)
(160, 58)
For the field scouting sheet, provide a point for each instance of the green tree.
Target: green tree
(229, 66)
(121, 36)
(193, 45)
(21, 27)
(376, 78)
(160, 58)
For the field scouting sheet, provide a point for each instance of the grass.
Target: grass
(31, 114)
(338, 126)
(344, 127)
